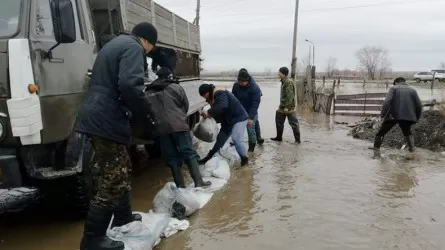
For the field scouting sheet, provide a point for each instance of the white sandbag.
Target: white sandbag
(217, 167)
(141, 235)
(169, 194)
(206, 130)
(230, 155)
(175, 226)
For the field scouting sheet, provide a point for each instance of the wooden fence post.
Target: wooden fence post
(324, 81)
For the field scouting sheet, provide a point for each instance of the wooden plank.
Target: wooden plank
(134, 19)
(363, 108)
(141, 11)
(357, 114)
(367, 101)
(163, 12)
(162, 21)
(357, 96)
(143, 3)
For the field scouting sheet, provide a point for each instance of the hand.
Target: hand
(205, 114)
(250, 123)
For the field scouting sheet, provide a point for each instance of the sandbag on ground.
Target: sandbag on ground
(169, 199)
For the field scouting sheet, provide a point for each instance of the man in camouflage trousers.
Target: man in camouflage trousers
(114, 99)
(287, 107)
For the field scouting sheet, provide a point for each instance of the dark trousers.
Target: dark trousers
(112, 172)
(177, 148)
(387, 126)
(280, 118)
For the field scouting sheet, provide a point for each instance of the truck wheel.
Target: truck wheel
(153, 150)
(417, 80)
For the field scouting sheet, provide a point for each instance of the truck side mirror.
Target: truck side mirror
(62, 13)
(63, 21)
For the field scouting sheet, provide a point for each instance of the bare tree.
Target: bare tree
(442, 65)
(331, 67)
(384, 68)
(268, 72)
(371, 58)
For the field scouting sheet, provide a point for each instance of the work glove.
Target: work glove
(207, 158)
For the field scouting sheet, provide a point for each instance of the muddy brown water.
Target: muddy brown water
(327, 193)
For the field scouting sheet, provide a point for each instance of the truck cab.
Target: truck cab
(47, 51)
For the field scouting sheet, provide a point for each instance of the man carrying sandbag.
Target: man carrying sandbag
(113, 99)
(168, 98)
(228, 111)
(249, 94)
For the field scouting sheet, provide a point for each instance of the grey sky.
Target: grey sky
(257, 34)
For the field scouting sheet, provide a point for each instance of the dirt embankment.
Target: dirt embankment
(429, 132)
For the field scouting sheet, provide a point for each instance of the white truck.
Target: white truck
(47, 49)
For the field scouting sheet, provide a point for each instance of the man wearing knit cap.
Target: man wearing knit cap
(287, 107)
(249, 94)
(114, 98)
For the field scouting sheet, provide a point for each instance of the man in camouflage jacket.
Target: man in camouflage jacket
(287, 107)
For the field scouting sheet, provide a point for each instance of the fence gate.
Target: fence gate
(367, 104)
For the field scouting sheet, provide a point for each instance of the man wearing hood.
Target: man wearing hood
(248, 94)
(175, 140)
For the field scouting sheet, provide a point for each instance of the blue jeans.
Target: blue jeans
(177, 148)
(238, 131)
(251, 130)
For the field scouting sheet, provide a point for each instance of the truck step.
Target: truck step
(17, 199)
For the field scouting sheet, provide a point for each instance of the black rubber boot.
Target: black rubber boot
(177, 176)
(297, 135)
(123, 213)
(96, 224)
(260, 141)
(196, 175)
(252, 146)
(244, 160)
(279, 136)
(410, 141)
(377, 143)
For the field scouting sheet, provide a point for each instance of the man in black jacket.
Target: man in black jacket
(402, 106)
(114, 97)
(169, 99)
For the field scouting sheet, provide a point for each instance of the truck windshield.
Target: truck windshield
(9, 17)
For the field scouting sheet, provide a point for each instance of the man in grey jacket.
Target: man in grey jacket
(169, 99)
(115, 97)
(402, 106)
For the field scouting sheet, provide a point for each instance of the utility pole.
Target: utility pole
(294, 46)
(198, 10)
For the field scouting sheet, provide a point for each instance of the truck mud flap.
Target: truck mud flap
(17, 199)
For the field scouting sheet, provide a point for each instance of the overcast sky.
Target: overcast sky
(257, 34)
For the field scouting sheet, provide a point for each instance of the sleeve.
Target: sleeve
(418, 104)
(131, 80)
(288, 95)
(221, 103)
(256, 99)
(185, 100)
(221, 139)
(234, 89)
(387, 103)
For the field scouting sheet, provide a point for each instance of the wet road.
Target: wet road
(327, 193)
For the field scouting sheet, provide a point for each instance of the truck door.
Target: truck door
(62, 80)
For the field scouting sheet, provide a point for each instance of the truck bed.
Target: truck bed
(173, 31)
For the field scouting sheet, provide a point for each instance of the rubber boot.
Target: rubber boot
(279, 136)
(177, 176)
(377, 143)
(410, 141)
(193, 166)
(123, 213)
(260, 141)
(251, 146)
(297, 135)
(244, 160)
(96, 224)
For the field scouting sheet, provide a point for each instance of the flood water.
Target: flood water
(327, 193)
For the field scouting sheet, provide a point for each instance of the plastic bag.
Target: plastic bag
(217, 167)
(144, 234)
(172, 200)
(230, 155)
(206, 130)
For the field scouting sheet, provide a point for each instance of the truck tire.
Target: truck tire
(417, 80)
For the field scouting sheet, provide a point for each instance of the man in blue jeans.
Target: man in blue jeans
(249, 95)
(228, 111)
